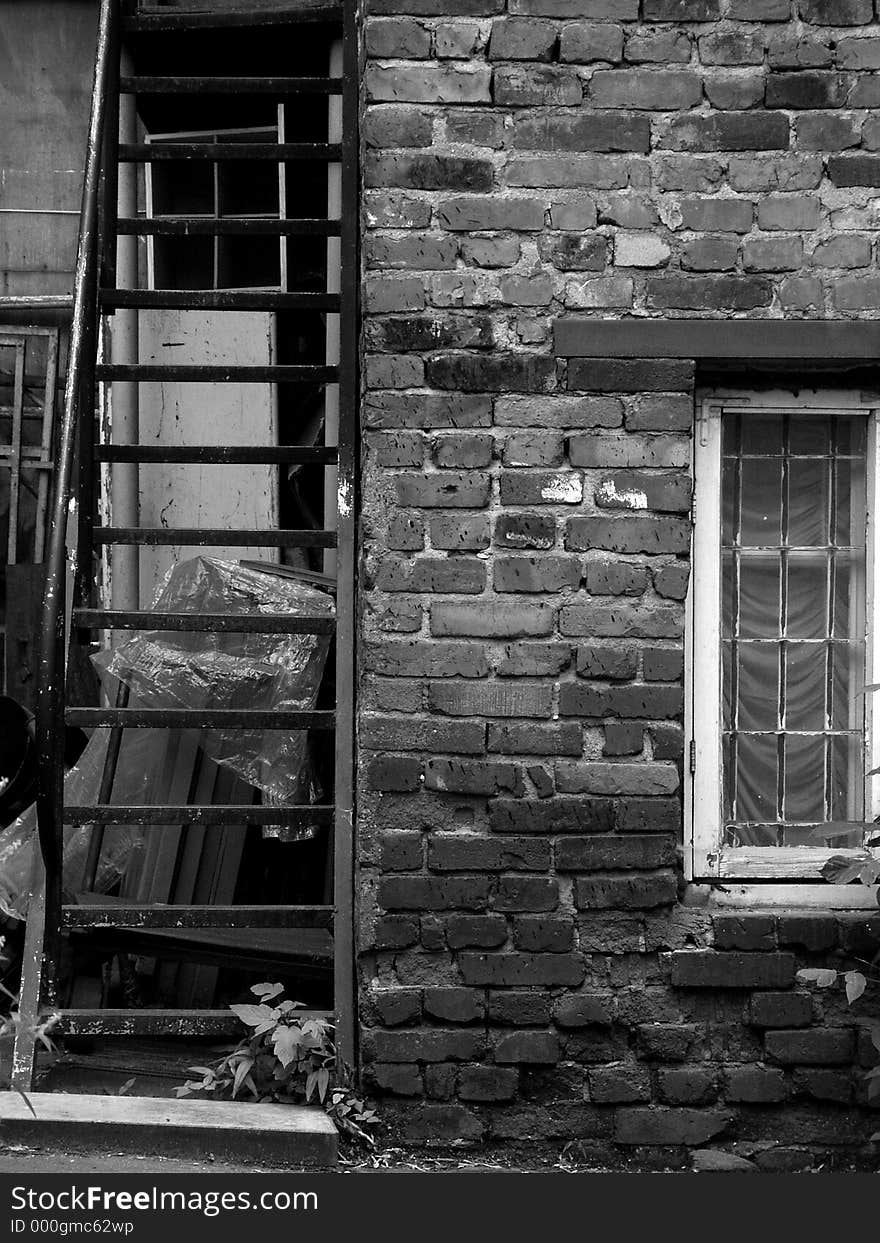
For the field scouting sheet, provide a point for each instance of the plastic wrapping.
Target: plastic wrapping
(123, 844)
(277, 672)
(170, 669)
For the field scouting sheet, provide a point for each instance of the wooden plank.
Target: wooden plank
(213, 537)
(217, 85)
(172, 416)
(24, 606)
(48, 425)
(197, 854)
(218, 455)
(202, 374)
(298, 815)
(224, 152)
(208, 718)
(170, 1022)
(107, 914)
(705, 339)
(799, 896)
(211, 623)
(305, 949)
(33, 965)
(218, 300)
(164, 19)
(15, 452)
(198, 226)
(233, 1130)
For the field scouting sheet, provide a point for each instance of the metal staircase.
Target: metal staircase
(237, 933)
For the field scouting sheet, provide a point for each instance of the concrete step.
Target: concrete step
(281, 1135)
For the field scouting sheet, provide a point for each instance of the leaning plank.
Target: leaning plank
(288, 1135)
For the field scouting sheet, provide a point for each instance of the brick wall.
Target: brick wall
(527, 968)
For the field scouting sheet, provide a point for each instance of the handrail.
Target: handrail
(77, 402)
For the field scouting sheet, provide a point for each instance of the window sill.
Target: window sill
(729, 895)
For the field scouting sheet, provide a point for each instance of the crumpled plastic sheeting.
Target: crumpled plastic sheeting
(268, 672)
(123, 845)
(167, 669)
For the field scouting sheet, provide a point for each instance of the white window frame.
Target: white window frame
(734, 872)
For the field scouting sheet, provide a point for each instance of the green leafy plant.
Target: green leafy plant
(285, 1057)
(855, 983)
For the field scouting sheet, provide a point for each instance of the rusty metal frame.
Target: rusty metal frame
(97, 228)
(42, 942)
(345, 1005)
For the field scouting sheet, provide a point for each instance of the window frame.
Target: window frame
(761, 868)
(271, 133)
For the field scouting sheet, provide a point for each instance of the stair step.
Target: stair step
(199, 226)
(108, 915)
(216, 537)
(309, 950)
(210, 623)
(207, 455)
(200, 718)
(161, 19)
(294, 1135)
(220, 299)
(230, 86)
(305, 815)
(151, 152)
(82, 1022)
(205, 374)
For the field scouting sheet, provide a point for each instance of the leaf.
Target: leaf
(855, 985)
(869, 872)
(26, 1101)
(267, 991)
(840, 870)
(260, 1017)
(126, 1087)
(242, 1070)
(285, 1042)
(822, 977)
(311, 1084)
(323, 1076)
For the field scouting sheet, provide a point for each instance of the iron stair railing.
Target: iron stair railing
(95, 292)
(42, 938)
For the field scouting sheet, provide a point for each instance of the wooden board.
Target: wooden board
(288, 1134)
(24, 604)
(173, 414)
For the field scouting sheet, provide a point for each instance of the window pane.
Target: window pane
(805, 686)
(793, 618)
(808, 501)
(758, 686)
(809, 434)
(847, 783)
(760, 501)
(761, 433)
(756, 777)
(759, 597)
(807, 596)
(847, 703)
(804, 778)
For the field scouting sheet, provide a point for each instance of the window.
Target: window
(232, 189)
(781, 648)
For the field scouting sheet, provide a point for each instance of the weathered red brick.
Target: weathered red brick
(816, 1046)
(521, 969)
(708, 969)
